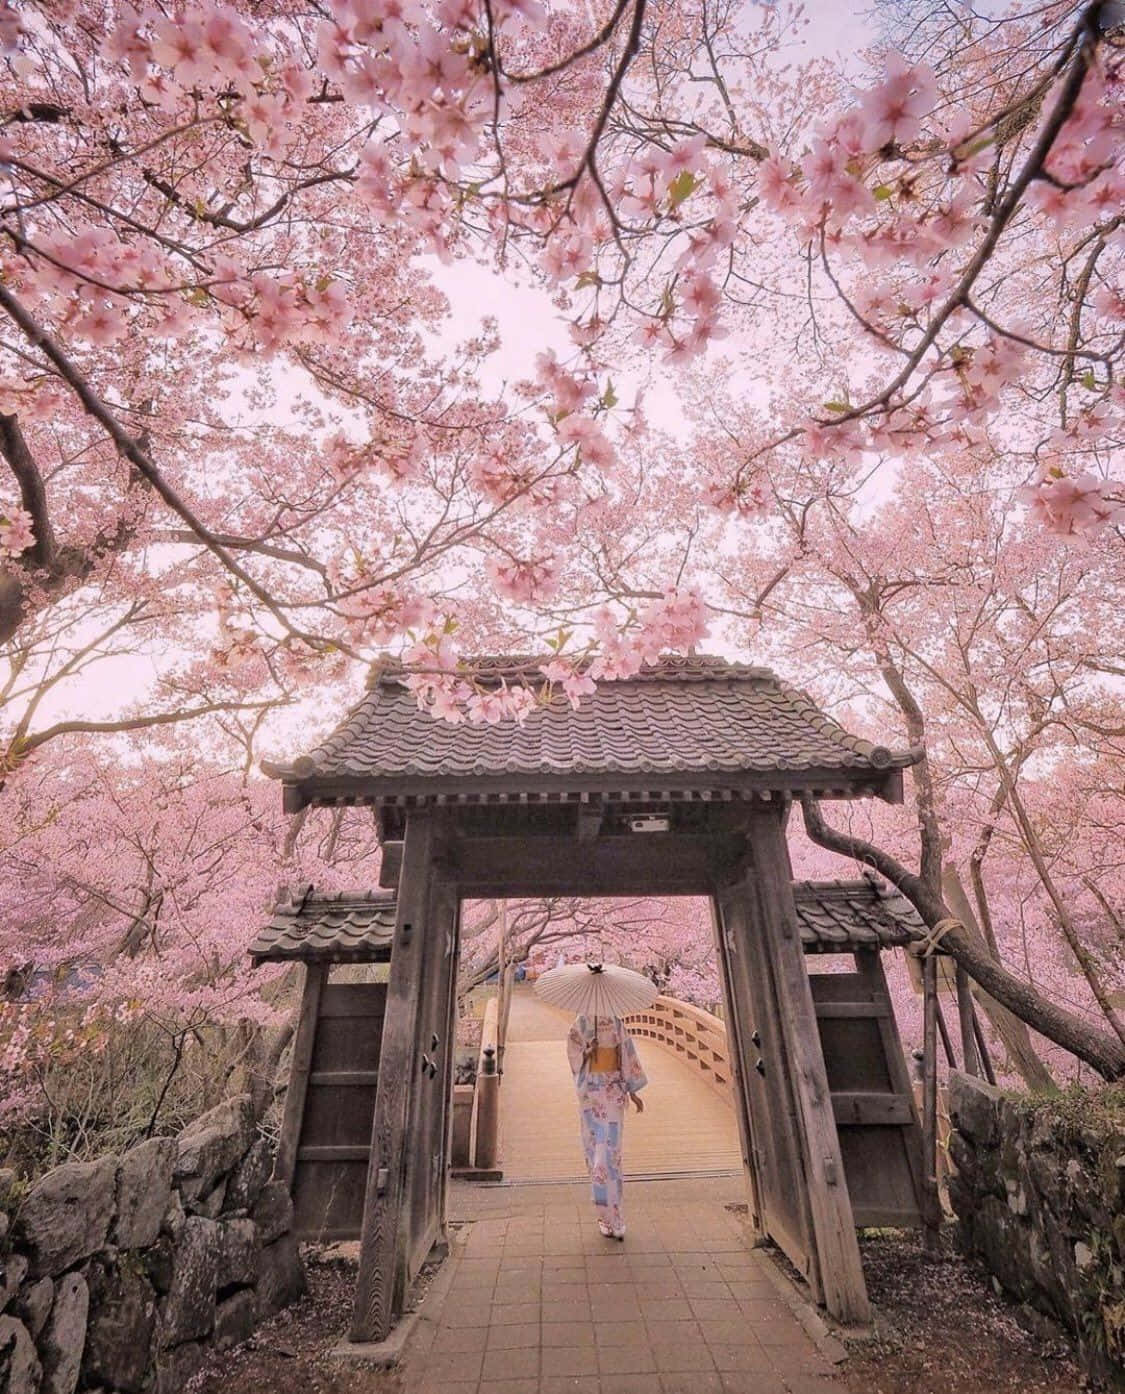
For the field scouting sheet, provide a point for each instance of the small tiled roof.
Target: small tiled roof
(839, 916)
(357, 926)
(348, 927)
(681, 723)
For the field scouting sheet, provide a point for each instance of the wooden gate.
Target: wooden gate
(326, 1137)
(880, 1137)
(764, 1102)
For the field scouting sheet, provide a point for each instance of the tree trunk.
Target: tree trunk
(1011, 1030)
(1101, 1051)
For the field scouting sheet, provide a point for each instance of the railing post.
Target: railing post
(488, 1111)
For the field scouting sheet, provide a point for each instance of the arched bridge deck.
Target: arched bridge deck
(687, 1127)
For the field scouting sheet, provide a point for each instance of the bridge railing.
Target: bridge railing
(698, 1037)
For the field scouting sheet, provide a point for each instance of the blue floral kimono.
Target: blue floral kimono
(602, 1098)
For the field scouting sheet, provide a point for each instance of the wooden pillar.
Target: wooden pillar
(741, 1097)
(316, 975)
(841, 1270)
(929, 1096)
(773, 1135)
(428, 1124)
(966, 1015)
(385, 1240)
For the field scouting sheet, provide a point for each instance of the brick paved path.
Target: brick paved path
(686, 1126)
(534, 1301)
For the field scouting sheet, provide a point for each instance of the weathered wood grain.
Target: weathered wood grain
(316, 975)
(841, 1270)
(384, 1216)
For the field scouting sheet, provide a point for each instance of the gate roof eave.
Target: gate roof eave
(695, 727)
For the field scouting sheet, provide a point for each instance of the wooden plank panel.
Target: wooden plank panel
(872, 1098)
(379, 1285)
(854, 1057)
(871, 1109)
(328, 1198)
(338, 1116)
(343, 1042)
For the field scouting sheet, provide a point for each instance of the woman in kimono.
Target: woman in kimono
(607, 1074)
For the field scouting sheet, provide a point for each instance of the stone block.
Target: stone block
(210, 1206)
(1002, 1238)
(66, 1215)
(158, 1262)
(13, 1270)
(239, 1247)
(144, 1188)
(215, 1142)
(122, 1324)
(174, 1216)
(33, 1305)
(250, 1176)
(175, 1368)
(235, 1319)
(20, 1371)
(188, 1311)
(273, 1213)
(281, 1278)
(64, 1336)
(974, 1107)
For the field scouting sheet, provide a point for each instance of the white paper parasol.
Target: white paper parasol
(596, 989)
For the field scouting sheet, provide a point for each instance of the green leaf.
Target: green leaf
(683, 186)
(882, 192)
(836, 406)
(587, 278)
(1088, 380)
(609, 396)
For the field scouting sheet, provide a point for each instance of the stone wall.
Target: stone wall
(120, 1274)
(1039, 1194)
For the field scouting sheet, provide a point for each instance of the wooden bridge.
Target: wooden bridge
(688, 1127)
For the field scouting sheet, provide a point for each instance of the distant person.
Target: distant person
(607, 1074)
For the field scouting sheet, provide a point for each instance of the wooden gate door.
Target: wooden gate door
(880, 1138)
(326, 1136)
(768, 1119)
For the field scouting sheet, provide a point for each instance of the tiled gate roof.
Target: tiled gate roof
(680, 724)
(357, 926)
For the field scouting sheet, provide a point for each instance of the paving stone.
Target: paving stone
(575, 1310)
(708, 1382)
(658, 1310)
(513, 1313)
(620, 1333)
(459, 1339)
(753, 1382)
(682, 1356)
(570, 1384)
(511, 1337)
(569, 1333)
(729, 1333)
(453, 1366)
(510, 1364)
(716, 1310)
(626, 1360)
(569, 1360)
(743, 1357)
(514, 1386)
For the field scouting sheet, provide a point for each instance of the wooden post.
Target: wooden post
(841, 1270)
(316, 975)
(384, 1242)
(982, 1048)
(965, 1012)
(929, 1097)
(738, 1080)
